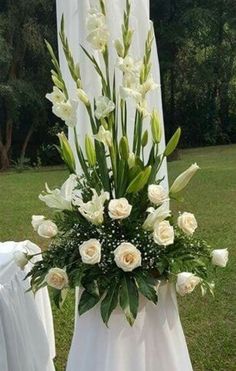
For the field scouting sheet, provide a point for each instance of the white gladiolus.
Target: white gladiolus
(37, 220)
(20, 258)
(104, 106)
(90, 252)
(127, 257)
(56, 97)
(60, 199)
(127, 64)
(148, 85)
(104, 136)
(119, 209)
(157, 194)
(82, 96)
(57, 278)
(186, 283)
(95, 20)
(156, 216)
(220, 257)
(183, 179)
(163, 233)
(66, 111)
(187, 223)
(98, 33)
(47, 229)
(126, 93)
(93, 210)
(142, 107)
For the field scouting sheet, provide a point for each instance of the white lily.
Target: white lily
(92, 210)
(183, 179)
(156, 216)
(60, 199)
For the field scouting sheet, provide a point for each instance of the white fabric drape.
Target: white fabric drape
(26, 327)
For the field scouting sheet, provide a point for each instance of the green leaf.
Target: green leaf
(87, 302)
(146, 286)
(139, 181)
(110, 302)
(129, 298)
(173, 142)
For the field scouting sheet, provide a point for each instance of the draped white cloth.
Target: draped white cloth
(26, 326)
(156, 342)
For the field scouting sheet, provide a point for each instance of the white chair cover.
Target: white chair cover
(26, 327)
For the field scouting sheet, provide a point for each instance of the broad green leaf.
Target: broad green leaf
(173, 142)
(87, 302)
(129, 298)
(110, 302)
(146, 287)
(140, 181)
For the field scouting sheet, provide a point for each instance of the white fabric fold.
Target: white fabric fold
(26, 327)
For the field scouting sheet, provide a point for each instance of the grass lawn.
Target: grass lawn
(209, 323)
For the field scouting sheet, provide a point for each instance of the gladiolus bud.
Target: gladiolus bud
(119, 48)
(145, 139)
(66, 152)
(156, 127)
(90, 151)
(57, 82)
(83, 97)
(183, 179)
(124, 148)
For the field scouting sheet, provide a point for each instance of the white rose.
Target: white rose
(57, 278)
(163, 233)
(220, 257)
(187, 222)
(57, 96)
(47, 229)
(104, 106)
(186, 283)
(119, 208)
(156, 216)
(156, 194)
(90, 252)
(20, 259)
(183, 179)
(36, 221)
(127, 257)
(104, 136)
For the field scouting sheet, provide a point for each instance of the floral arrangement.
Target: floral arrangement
(113, 233)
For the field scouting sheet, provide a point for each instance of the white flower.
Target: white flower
(36, 221)
(163, 233)
(156, 194)
(156, 216)
(66, 111)
(130, 93)
(220, 257)
(60, 199)
(83, 97)
(127, 257)
(99, 39)
(47, 229)
(90, 252)
(187, 222)
(147, 86)
(142, 107)
(98, 33)
(20, 259)
(95, 20)
(57, 96)
(104, 136)
(93, 210)
(57, 278)
(186, 283)
(119, 208)
(127, 64)
(183, 179)
(104, 106)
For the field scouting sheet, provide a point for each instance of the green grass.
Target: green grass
(209, 323)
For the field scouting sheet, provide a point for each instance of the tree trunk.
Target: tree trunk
(5, 146)
(4, 159)
(25, 144)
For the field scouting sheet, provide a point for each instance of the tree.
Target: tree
(24, 70)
